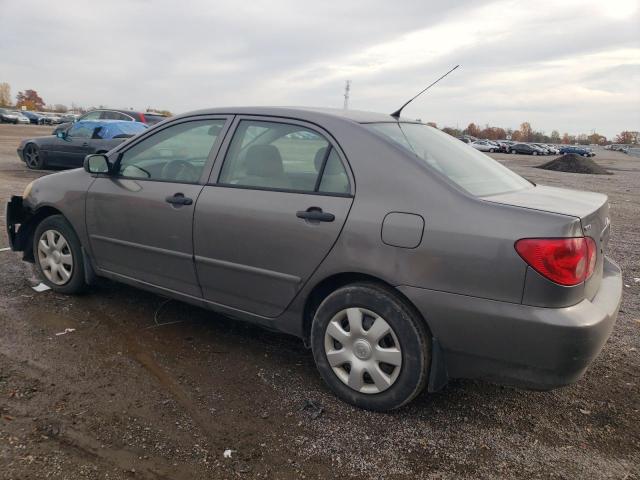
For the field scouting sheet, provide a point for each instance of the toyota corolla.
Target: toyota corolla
(400, 255)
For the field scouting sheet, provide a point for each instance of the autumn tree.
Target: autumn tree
(555, 137)
(628, 137)
(29, 99)
(526, 131)
(597, 139)
(5, 94)
(472, 130)
(161, 112)
(516, 136)
(454, 132)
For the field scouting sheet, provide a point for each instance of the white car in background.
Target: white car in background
(21, 118)
(485, 146)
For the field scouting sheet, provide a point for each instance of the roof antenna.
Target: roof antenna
(396, 114)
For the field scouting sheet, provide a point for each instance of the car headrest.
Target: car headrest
(332, 168)
(264, 161)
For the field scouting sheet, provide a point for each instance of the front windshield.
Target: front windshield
(472, 170)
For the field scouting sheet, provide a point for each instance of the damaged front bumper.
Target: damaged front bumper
(16, 215)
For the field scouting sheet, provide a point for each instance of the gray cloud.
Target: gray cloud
(568, 68)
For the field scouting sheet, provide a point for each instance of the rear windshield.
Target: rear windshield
(472, 170)
(150, 119)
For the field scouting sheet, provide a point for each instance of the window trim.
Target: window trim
(214, 178)
(208, 165)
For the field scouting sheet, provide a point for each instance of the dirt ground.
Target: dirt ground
(122, 398)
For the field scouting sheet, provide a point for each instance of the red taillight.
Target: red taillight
(142, 118)
(567, 261)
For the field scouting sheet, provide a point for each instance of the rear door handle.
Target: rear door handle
(178, 199)
(315, 214)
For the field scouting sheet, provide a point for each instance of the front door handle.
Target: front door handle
(85, 144)
(178, 199)
(315, 214)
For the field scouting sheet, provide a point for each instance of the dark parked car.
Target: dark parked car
(34, 118)
(69, 147)
(147, 118)
(402, 256)
(527, 149)
(585, 152)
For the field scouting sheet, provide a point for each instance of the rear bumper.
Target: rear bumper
(536, 347)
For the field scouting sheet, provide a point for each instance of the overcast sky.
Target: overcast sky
(571, 65)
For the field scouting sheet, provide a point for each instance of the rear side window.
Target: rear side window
(109, 115)
(472, 170)
(282, 156)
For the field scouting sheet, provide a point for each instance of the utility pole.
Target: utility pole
(347, 88)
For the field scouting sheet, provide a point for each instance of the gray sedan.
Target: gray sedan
(400, 255)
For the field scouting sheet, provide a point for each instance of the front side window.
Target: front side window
(177, 153)
(283, 157)
(82, 130)
(472, 170)
(95, 115)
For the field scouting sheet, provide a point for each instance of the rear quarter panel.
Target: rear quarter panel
(467, 245)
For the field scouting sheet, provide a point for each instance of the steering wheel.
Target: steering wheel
(180, 170)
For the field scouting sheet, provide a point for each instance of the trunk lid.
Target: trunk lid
(591, 208)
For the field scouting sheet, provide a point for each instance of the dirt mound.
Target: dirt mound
(572, 163)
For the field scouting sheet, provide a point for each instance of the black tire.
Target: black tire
(409, 329)
(32, 157)
(585, 155)
(534, 153)
(76, 282)
(491, 150)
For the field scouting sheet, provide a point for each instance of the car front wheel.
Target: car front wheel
(32, 157)
(58, 255)
(371, 349)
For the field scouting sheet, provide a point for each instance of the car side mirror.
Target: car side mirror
(97, 163)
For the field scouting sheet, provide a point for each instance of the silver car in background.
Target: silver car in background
(400, 255)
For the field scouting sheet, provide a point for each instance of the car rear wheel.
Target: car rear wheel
(371, 349)
(534, 153)
(513, 152)
(32, 157)
(58, 255)
(585, 155)
(491, 150)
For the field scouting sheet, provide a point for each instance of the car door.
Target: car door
(140, 217)
(270, 214)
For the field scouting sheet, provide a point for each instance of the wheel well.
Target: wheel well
(334, 282)
(30, 227)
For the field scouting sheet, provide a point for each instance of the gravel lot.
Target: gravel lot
(121, 398)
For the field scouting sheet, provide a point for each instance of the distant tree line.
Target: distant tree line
(30, 100)
(527, 134)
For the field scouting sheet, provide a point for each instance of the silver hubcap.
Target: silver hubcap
(363, 350)
(54, 257)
